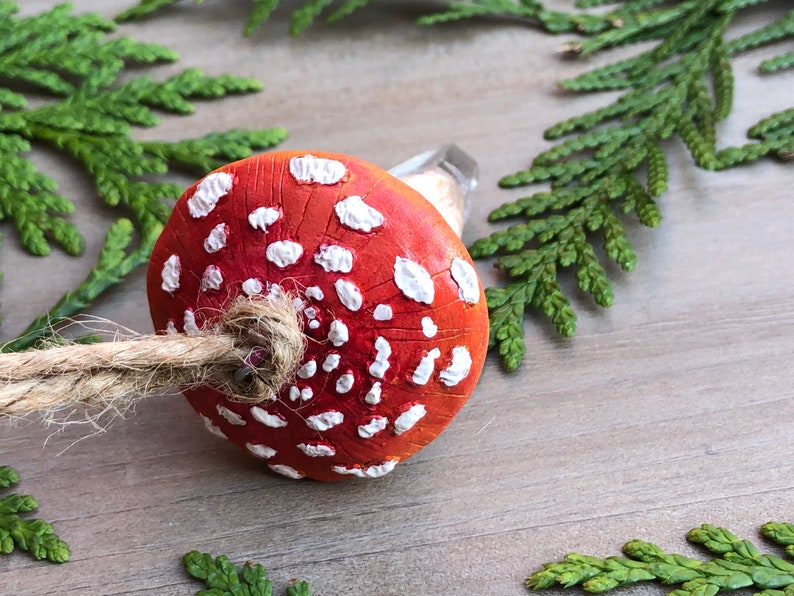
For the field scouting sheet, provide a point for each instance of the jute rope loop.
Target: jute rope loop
(249, 355)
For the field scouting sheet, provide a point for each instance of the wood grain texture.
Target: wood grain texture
(671, 409)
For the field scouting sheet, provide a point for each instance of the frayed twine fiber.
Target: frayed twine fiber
(253, 350)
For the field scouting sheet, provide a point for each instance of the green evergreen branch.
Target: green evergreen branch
(223, 578)
(32, 535)
(737, 564)
(90, 119)
(610, 162)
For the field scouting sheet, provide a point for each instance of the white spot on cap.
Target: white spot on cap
(409, 418)
(375, 471)
(317, 449)
(283, 253)
(212, 428)
(310, 169)
(413, 280)
(331, 362)
(373, 395)
(216, 239)
(466, 277)
(314, 324)
(286, 470)
(274, 291)
(429, 328)
(296, 393)
(354, 213)
(259, 450)
(381, 364)
(308, 369)
(345, 383)
(382, 312)
(349, 294)
(261, 217)
(310, 312)
(170, 329)
(230, 416)
(338, 333)
(334, 258)
(314, 292)
(189, 324)
(252, 286)
(373, 427)
(171, 270)
(459, 368)
(208, 193)
(211, 279)
(422, 373)
(325, 420)
(266, 418)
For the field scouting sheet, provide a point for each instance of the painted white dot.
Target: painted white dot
(306, 393)
(311, 169)
(209, 191)
(345, 383)
(459, 368)
(425, 368)
(308, 369)
(413, 280)
(373, 427)
(262, 217)
(216, 239)
(375, 471)
(252, 287)
(373, 395)
(317, 449)
(211, 279)
(409, 418)
(297, 303)
(172, 268)
(260, 450)
(381, 364)
(283, 253)
(338, 333)
(325, 420)
(383, 312)
(310, 312)
(354, 213)
(429, 328)
(266, 418)
(314, 324)
(331, 362)
(314, 292)
(349, 294)
(170, 329)
(286, 470)
(189, 323)
(294, 393)
(465, 276)
(334, 258)
(213, 428)
(230, 416)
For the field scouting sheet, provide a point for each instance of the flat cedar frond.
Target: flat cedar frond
(223, 578)
(736, 564)
(90, 118)
(32, 535)
(609, 163)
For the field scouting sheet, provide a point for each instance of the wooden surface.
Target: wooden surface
(671, 409)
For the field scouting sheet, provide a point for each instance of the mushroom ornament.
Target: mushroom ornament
(393, 314)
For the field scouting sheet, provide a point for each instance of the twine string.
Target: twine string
(252, 351)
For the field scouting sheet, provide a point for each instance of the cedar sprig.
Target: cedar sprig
(32, 535)
(90, 117)
(610, 163)
(223, 578)
(736, 564)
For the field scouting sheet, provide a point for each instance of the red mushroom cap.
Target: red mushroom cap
(393, 310)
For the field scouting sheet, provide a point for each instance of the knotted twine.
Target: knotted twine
(252, 351)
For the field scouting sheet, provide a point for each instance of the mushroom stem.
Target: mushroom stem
(253, 351)
(445, 177)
